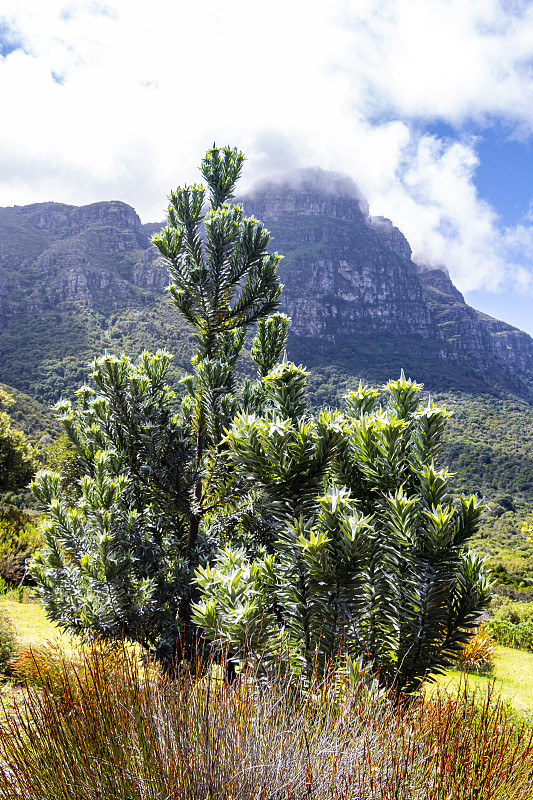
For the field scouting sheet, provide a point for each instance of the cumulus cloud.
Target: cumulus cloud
(115, 99)
(435, 203)
(455, 59)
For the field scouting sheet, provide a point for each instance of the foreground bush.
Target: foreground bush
(369, 557)
(127, 732)
(124, 526)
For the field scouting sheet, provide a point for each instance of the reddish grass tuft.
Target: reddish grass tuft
(107, 727)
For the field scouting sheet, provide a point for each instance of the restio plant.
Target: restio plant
(235, 519)
(115, 728)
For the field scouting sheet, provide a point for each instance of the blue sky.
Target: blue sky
(504, 176)
(505, 179)
(427, 104)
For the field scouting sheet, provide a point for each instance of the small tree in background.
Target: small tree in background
(18, 535)
(17, 459)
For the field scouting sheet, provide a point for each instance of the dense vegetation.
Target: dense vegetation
(490, 444)
(36, 420)
(512, 624)
(30, 358)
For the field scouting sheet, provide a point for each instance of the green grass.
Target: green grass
(32, 627)
(512, 679)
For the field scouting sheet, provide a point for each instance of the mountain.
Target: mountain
(75, 281)
(67, 276)
(352, 290)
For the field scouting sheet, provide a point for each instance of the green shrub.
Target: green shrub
(369, 558)
(508, 634)
(124, 529)
(17, 457)
(19, 539)
(8, 641)
(514, 612)
(512, 624)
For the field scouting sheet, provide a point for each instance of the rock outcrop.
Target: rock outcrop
(348, 274)
(89, 255)
(344, 272)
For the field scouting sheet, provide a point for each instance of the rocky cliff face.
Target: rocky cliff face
(350, 283)
(344, 272)
(93, 256)
(348, 274)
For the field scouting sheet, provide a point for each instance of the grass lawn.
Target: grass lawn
(513, 669)
(31, 626)
(513, 679)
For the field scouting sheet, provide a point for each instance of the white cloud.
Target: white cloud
(449, 58)
(119, 100)
(436, 205)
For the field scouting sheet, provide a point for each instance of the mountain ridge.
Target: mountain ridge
(351, 288)
(368, 283)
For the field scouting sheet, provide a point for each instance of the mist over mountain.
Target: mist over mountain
(75, 281)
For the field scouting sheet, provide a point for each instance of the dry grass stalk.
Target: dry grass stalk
(121, 731)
